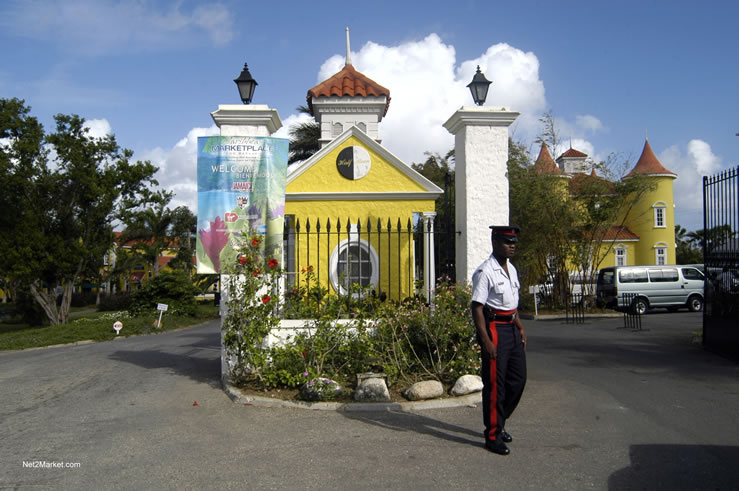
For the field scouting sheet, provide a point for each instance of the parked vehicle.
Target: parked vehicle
(671, 287)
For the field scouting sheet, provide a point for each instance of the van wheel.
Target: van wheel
(695, 303)
(639, 306)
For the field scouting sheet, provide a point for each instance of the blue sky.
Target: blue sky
(611, 73)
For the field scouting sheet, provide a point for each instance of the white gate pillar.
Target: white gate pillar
(241, 120)
(481, 181)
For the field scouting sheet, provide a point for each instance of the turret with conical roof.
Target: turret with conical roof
(653, 216)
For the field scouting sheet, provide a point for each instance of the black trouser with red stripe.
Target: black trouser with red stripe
(503, 378)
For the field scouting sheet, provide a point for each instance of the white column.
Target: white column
(429, 255)
(481, 181)
(241, 120)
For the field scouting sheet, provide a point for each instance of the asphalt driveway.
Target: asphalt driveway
(605, 408)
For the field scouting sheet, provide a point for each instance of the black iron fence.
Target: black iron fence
(633, 310)
(721, 262)
(385, 257)
(575, 308)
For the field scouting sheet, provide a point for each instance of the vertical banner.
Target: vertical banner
(241, 191)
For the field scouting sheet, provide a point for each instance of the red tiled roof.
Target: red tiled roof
(573, 153)
(590, 183)
(348, 83)
(544, 163)
(648, 164)
(620, 233)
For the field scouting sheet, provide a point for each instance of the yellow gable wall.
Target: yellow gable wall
(394, 250)
(323, 176)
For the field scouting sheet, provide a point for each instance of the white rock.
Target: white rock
(321, 389)
(372, 390)
(428, 389)
(467, 384)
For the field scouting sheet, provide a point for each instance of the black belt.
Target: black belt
(492, 316)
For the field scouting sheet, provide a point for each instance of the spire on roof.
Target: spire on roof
(348, 49)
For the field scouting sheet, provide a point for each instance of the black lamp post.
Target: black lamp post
(246, 85)
(479, 87)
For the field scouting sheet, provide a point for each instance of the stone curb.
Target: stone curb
(237, 396)
(552, 317)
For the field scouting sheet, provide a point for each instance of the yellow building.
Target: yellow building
(352, 208)
(648, 232)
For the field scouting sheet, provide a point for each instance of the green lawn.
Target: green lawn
(96, 326)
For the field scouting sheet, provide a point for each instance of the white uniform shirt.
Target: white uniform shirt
(491, 285)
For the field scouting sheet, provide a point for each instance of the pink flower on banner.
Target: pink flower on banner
(214, 240)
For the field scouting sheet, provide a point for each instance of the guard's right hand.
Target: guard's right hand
(491, 349)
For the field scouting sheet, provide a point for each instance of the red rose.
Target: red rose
(256, 272)
(266, 299)
(272, 263)
(255, 241)
(242, 259)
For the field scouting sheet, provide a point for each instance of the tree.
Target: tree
(61, 194)
(686, 251)
(304, 139)
(440, 171)
(564, 222)
(147, 228)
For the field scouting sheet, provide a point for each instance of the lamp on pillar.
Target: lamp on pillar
(479, 87)
(246, 84)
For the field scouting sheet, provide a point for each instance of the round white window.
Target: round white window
(353, 262)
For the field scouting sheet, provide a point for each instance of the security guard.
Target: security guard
(501, 335)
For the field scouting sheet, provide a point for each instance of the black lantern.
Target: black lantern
(479, 87)
(246, 85)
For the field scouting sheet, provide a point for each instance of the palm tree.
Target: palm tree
(304, 139)
(147, 229)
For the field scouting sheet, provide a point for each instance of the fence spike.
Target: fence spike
(307, 225)
(328, 225)
(359, 226)
(297, 224)
(338, 226)
(369, 226)
(389, 225)
(410, 226)
(318, 225)
(379, 225)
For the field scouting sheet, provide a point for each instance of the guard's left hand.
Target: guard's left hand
(523, 337)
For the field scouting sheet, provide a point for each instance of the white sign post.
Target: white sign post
(117, 325)
(162, 308)
(535, 290)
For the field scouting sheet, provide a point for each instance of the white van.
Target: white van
(671, 287)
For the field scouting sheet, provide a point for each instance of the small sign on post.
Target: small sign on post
(162, 308)
(117, 325)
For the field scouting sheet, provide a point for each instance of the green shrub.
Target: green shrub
(115, 302)
(417, 341)
(173, 288)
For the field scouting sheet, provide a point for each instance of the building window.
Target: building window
(620, 256)
(660, 255)
(659, 216)
(354, 262)
(336, 130)
(362, 127)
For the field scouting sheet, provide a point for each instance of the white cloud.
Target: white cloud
(178, 167)
(588, 122)
(98, 127)
(426, 87)
(96, 27)
(690, 163)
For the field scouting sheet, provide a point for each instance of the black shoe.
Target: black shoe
(505, 436)
(497, 447)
